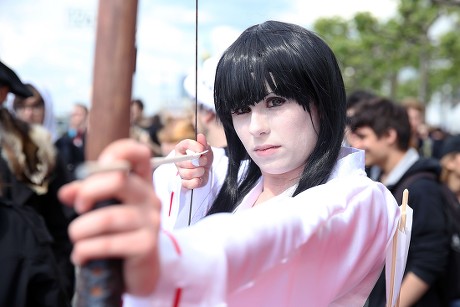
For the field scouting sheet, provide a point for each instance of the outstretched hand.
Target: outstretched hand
(128, 231)
(194, 174)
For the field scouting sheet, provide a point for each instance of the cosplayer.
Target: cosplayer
(308, 228)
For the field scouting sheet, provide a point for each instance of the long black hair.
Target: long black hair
(295, 64)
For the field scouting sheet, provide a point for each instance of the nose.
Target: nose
(259, 124)
(27, 113)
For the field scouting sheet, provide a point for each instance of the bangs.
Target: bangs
(248, 72)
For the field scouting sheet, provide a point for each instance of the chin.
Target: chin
(279, 170)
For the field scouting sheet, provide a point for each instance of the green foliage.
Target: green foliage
(398, 57)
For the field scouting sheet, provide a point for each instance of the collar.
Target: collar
(350, 160)
(401, 168)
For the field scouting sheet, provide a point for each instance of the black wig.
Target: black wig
(295, 64)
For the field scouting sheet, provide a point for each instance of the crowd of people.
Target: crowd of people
(298, 189)
(35, 245)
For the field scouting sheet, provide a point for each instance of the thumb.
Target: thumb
(201, 138)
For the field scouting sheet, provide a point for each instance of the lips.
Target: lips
(265, 148)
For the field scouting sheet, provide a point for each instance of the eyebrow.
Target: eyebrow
(267, 96)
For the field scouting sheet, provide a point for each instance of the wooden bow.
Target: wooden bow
(114, 65)
(100, 282)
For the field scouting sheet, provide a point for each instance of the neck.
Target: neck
(276, 184)
(390, 163)
(273, 189)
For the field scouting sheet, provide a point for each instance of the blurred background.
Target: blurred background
(396, 48)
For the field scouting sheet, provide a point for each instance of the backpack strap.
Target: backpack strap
(407, 181)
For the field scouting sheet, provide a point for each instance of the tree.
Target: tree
(399, 57)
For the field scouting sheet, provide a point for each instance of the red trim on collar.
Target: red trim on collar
(174, 242)
(170, 203)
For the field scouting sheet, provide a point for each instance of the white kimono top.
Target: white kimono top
(324, 247)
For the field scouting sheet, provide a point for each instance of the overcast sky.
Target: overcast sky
(51, 42)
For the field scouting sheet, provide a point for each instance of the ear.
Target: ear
(391, 136)
(4, 90)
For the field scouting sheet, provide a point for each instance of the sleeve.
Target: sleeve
(316, 240)
(165, 181)
(176, 202)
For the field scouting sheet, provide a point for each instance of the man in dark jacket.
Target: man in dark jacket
(382, 129)
(71, 144)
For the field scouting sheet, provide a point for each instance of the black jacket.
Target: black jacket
(29, 271)
(429, 247)
(56, 218)
(72, 151)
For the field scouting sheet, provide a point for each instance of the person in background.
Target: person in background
(175, 130)
(208, 122)
(71, 144)
(156, 125)
(137, 114)
(354, 100)
(173, 191)
(37, 110)
(450, 162)
(302, 224)
(424, 139)
(150, 124)
(140, 125)
(450, 176)
(383, 130)
(34, 243)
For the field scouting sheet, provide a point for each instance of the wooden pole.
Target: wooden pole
(100, 282)
(114, 65)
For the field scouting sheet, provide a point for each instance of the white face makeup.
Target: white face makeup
(278, 134)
